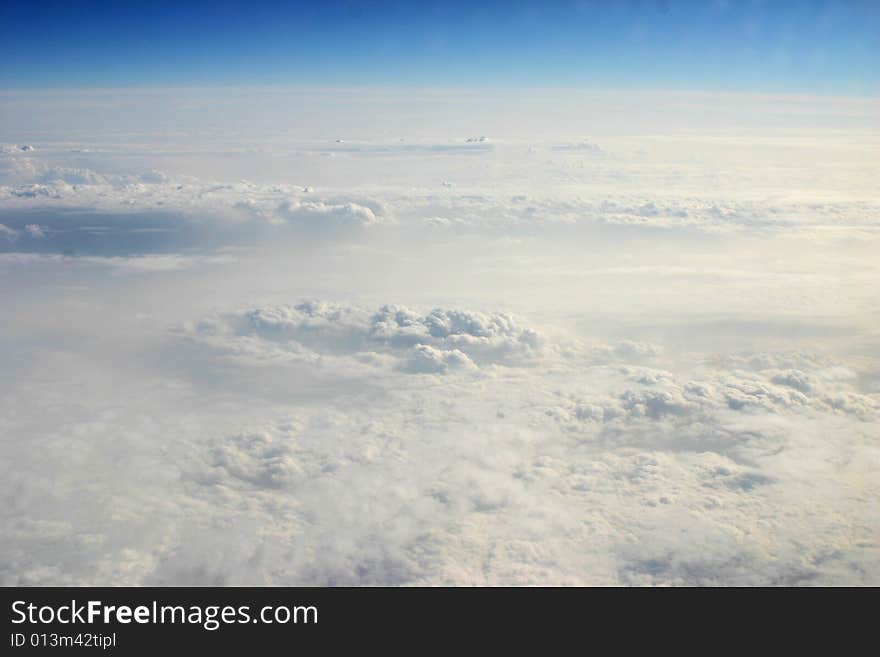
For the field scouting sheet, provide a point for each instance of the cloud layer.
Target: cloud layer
(347, 350)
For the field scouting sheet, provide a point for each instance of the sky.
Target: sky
(813, 46)
(446, 294)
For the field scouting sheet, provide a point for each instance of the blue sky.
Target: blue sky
(804, 47)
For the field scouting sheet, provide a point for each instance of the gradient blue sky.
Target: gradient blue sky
(806, 46)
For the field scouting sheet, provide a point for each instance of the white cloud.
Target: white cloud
(317, 331)
(348, 213)
(430, 360)
(646, 359)
(568, 470)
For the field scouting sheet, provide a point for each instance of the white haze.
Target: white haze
(350, 337)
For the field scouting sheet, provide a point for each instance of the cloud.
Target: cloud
(648, 358)
(345, 214)
(32, 231)
(470, 449)
(574, 465)
(470, 494)
(318, 331)
(256, 459)
(429, 360)
(84, 180)
(35, 231)
(72, 176)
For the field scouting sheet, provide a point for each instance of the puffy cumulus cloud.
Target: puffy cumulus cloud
(437, 446)
(430, 360)
(256, 459)
(309, 212)
(477, 482)
(318, 331)
(657, 395)
(17, 171)
(35, 230)
(24, 173)
(30, 231)
(494, 337)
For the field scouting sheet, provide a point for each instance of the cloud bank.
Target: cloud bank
(345, 348)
